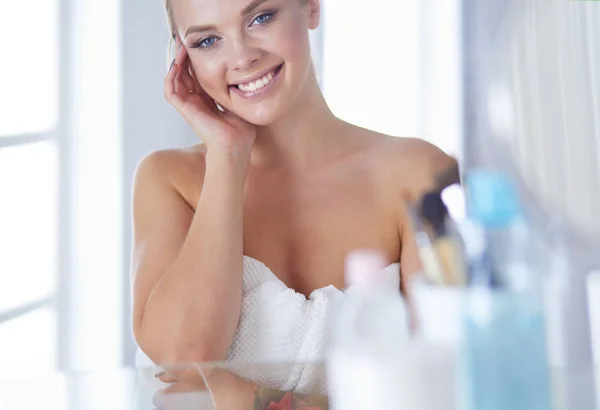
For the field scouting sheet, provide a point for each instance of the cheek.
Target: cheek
(289, 40)
(296, 41)
(208, 72)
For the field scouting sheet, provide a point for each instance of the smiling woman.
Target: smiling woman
(255, 44)
(240, 242)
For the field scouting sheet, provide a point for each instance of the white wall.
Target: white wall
(90, 284)
(149, 122)
(114, 62)
(440, 66)
(370, 63)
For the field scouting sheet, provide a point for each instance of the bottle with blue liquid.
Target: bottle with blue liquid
(505, 357)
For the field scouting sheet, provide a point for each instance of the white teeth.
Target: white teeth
(256, 85)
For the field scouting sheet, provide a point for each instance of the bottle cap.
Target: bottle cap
(492, 198)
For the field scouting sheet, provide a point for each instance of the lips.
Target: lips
(257, 85)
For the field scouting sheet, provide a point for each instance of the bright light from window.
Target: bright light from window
(371, 63)
(29, 69)
(29, 342)
(28, 223)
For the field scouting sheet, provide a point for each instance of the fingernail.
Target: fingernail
(172, 63)
(160, 374)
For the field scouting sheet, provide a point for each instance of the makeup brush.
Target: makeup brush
(446, 243)
(432, 269)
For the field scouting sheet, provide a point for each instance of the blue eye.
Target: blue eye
(263, 18)
(207, 42)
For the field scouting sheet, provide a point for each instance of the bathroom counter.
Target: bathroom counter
(138, 389)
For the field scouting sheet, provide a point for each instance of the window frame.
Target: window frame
(58, 136)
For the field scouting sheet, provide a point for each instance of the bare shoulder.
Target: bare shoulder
(169, 163)
(180, 169)
(410, 164)
(417, 157)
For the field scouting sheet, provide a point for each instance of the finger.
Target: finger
(183, 82)
(186, 77)
(181, 53)
(171, 94)
(188, 104)
(197, 85)
(166, 378)
(207, 101)
(193, 106)
(181, 86)
(177, 44)
(200, 91)
(169, 80)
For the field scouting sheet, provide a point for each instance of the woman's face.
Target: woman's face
(251, 56)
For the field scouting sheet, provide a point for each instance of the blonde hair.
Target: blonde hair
(172, 29)
(170, 21)
(172, 33)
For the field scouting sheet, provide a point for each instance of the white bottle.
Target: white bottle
(367, 332)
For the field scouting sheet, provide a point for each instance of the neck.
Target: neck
(301, 136)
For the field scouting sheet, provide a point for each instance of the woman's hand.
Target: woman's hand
(221, 131)
(188, 389)
(196, 387)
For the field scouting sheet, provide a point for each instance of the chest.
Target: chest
(303, 229)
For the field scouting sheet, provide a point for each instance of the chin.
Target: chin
(260, 122)
(261, 118)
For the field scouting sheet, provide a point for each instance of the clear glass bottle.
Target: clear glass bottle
(367, 332)
(505, 355)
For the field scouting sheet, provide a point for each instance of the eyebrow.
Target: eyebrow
(247, 10)
(199, 29)
(250, 7)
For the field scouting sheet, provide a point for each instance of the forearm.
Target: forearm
(192, 313)
(264, 398)
(231, 392)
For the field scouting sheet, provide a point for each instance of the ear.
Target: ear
(313, 8)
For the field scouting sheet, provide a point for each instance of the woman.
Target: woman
(280, 190)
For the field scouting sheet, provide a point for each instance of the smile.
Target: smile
(257, 87)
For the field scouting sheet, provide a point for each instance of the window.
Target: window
(29, 73)
(394, 67)
(370, 63)
(29, 113)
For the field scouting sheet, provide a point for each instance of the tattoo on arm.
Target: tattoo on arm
(270, 399)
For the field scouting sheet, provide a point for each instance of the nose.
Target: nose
(244, 56)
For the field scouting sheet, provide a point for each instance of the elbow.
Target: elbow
(169, 351)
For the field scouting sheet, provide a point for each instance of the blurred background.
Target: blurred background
(81, 101)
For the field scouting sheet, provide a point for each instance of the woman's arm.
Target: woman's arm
(187, 264)
(230, 392)
(269, 399)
